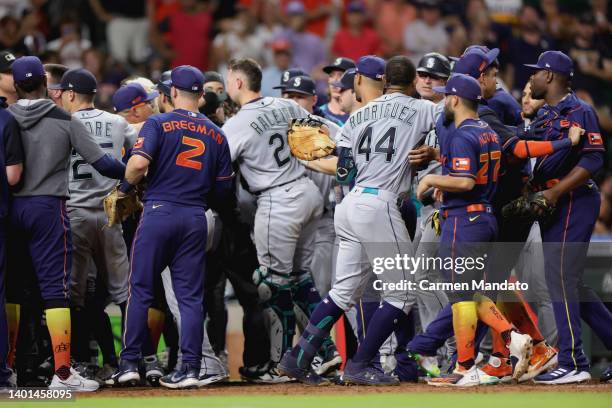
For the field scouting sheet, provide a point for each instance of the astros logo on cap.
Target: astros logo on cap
(136, 100)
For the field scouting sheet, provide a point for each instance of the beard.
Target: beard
(449, 116)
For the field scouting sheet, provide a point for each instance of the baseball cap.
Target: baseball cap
(163, 86)
(554, 61)
(339, 64)
(212, 76)
(280, 45)
(471, 48)
(355, 7)
(371, 66)
(464, 86)
(78, 80)
(435, 64)
(301, 84)
(27, 67)
(347, 81)
(295, 7)
(474, 62)
(187, 78)
(287, 75)
(6, 61)
(131, 95)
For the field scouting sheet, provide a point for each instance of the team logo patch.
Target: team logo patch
(595, 139)
(564, 123)
(139, 143)
(461, 163)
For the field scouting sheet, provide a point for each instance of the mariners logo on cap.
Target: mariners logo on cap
(297, 81)
(286, 76)
(338, 61)
(430, 63)
(9, 57)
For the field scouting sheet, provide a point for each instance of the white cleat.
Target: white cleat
(458, 378)
(75, 383)
(521, 346)
(562, 376)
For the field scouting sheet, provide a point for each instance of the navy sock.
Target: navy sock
(382, 324)
(365, 311)
(405, 329)
(321, 322)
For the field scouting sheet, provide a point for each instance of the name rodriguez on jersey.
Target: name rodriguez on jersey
(425, 285)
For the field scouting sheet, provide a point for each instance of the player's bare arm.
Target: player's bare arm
(325, 165)
(449, 184)
(136, 169)
(423, 155)
(13, 173)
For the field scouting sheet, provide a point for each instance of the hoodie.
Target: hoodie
(48, 135)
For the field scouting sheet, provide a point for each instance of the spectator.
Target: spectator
(93, 61)
(427, 33)
(593, 58)
(317, 14)
(126, 28)
(356, 40)
(7, 86)
(189, 31)
(268, 29)
(558, 24)
(11, 36)
(271, 75)
(308, 49)
(526, 46)
(392, 18)
(70, 45)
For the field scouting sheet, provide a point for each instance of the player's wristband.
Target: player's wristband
(561, 144)
(125, 187)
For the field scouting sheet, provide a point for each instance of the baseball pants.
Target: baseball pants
(174, 236)
(94, 241)
(5, 373)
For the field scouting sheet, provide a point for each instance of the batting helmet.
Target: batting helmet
(435, 64)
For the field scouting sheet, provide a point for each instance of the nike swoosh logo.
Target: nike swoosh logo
(156, 206)
(471, 218)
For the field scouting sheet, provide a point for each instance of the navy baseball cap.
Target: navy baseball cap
(6, 61)
(371, 66)
(295, 7)
(287, 75)
(355, 7)
(471, 48)
(163, 86)
(27, 67)
(187, 78)
(131, 95)
(474, 62)
(464, 86)
(301, 84)
(339, 64)
(554, 61)
(347, 81)
(78, 80)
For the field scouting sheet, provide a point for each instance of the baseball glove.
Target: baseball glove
(309, 139)
(117, 208)
(530, 208)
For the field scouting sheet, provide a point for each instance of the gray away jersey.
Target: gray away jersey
(381, 134)
(257, 138)
(324, 181)
(115, 136)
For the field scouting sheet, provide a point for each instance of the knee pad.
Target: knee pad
(269, 283)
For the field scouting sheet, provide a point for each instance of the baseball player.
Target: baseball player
(368, 221)
(39, 225)
(54, 77)
(468, 184)
(565, 179)
(332, 110)
(7, 87)
(97, 250)
(186, 159)
(11, 167)
(288, 202)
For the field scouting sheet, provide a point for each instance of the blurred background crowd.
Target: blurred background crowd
(115, 39)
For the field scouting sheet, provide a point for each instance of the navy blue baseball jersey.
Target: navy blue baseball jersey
(570, 111)
(188, 155)
(473, 151)
(11, 153)
(327, 114)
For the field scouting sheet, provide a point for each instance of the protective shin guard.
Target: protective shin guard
(465, 318)
(58, 323)
(517, 313)
(490, 315)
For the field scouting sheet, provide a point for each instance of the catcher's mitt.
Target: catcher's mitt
(117, 208)
(309, 139)
(530, 208)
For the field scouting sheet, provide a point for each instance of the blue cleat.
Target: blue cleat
(606, 376)
(288, 367)
(366, 374)
(126, 374)
(562, 376)
(185, 377)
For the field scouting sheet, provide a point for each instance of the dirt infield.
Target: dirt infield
(237, 388)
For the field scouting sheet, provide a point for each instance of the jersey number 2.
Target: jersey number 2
(276, 136)
(186, 158)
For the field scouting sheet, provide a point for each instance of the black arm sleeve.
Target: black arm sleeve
(12, 143)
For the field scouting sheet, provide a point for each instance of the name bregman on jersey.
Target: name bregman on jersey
(383, 110)
(274, 118)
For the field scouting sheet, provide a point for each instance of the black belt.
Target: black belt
(277, 186)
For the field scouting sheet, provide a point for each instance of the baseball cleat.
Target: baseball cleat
(153, 370)
(263, 374)
(606, 376)
(428, 364)
(544, 358)
(126, 374)
(329, 364)
(501, 368)
(562, 376)
(486, 379)
(288, 367)
(363, 373)
(521, 346)
(105, 373)
(186, 377)
(74, 383)
(208, 379)
(460, 377)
